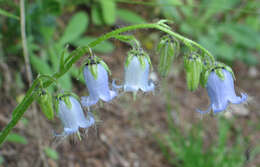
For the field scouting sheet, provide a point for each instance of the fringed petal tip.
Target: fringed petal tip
(149, 87)
(130, 88)
(65, 133)
(243, 98)
(203, 112)
(108, 96)
(88, 101)
(115, 86)
(91, 119)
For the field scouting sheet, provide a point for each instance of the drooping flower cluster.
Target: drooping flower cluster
(217, 79)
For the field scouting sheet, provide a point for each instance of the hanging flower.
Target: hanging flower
(221, 91)
(72, 116)
(96, 77)
(137, 74)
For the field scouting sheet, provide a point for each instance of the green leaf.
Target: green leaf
(108, 11)
(104, 47)
(129, 16)
(7, 14)
(51, 153)
(16, 138)
(40, 65)
(76, 27)
(65, 81)
(96, 15)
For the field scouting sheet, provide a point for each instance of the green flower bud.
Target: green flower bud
(193, 66)
(46, 104)
(168, 49)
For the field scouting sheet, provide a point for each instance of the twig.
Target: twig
(29, 78)
(24, 43)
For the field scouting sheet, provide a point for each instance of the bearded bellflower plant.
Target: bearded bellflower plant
(137, 69)
(221, 91)
(218, 82)
(96, 77)
(72, 116)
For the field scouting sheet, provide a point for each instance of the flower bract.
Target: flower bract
(221, 92)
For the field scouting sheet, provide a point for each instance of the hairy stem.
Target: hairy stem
(74, 57)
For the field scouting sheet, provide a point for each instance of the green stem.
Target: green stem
(73, 58)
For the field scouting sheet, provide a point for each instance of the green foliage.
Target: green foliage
(76, 27)
(129, 16)
(108, 11)
(187, 149)
(51, 153)
(8, 14)
(229, 29)
(16, 138)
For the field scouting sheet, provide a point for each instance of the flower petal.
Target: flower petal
(87, 101)
(204, 112)
(149, 87)
(237, 99)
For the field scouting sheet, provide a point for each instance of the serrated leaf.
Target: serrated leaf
(108, 11)
(51, 153)
(129, 16)
(76, 27)
(16, 138)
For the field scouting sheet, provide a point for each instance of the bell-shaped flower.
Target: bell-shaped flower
(221, 91)
(96, 77)
(72, 116)
(137, 75)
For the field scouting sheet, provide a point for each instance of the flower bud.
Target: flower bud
(46, 104)
(168, 49)
(193, 66)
